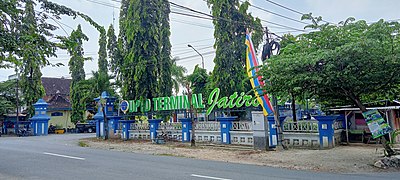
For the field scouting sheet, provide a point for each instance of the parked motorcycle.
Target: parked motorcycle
(22, 132)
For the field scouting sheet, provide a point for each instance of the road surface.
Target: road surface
(60, 157)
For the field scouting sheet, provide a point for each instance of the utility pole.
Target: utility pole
(267, 52)
(193, 134)
(17, 103)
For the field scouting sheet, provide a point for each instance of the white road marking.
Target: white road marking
(65, 156)
(208, 177)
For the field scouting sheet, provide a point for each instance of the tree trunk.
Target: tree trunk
(192, 140)
(293, 107)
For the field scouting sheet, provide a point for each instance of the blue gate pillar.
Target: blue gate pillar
(154, 123)
(273, 132)
(326, 131)
(126, 126)
(226, 124)
(113, 125)
(99, 118)
(109, 110)
(40, 121)
(186, 129)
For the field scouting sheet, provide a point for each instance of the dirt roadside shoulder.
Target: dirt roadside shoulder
(341, 159)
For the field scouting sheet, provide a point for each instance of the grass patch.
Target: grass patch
(83, 144)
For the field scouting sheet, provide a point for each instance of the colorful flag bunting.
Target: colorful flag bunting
(256, 80)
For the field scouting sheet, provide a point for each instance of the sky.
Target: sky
(199, 33)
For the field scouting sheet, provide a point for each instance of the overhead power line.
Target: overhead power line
(191, 51)
(292, 10)
(191, 23)
(276, 14)
(196, 41)
(208, 16)
(103, 3)
(284, 7)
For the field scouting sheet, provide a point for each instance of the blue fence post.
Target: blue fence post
(326, 131)
(154, 123)
(99, 118)
(273, 135)
(226, 124)
(186, 129)
(273, 131)
(109, 111)
(40, 120)
(113, 124)
(126, 126)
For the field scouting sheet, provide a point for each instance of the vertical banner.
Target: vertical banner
(376, 124)
(255, 80)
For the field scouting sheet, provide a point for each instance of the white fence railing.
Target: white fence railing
(242, 126)
(337, 125)
(300, 126)
(170, 126)
(208, 126)
(140, 126)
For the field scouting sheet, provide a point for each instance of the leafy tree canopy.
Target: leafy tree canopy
(199, 80)
(231, 22)
(7, 97)
(351, 63)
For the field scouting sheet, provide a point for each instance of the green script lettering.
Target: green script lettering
(200, 99)
(147, 107)
(231, 99)
(247, 98)
(239, 101)
(155, 102)
(194, 101)
(186, 104)
(166, 103)
(131, 106)
(212, 100)
(255, 102)
(173, 103)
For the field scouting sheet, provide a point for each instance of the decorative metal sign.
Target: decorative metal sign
(124, 106)
(182, 102)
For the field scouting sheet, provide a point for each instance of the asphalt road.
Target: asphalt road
(59, 157)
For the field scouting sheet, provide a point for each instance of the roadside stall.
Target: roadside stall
(356, 129)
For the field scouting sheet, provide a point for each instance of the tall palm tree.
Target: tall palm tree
(178, 75)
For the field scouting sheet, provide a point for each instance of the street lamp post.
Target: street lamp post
(202, 59)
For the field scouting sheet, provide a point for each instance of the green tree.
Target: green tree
(178, 75)
(292, 82)
(123, 47)
(10, 18)
(36, 48)
(7, 97)
(102, 73)
(231, 21)
(353, 63)
(103, 64)
(146, 48)
(92, 88)
(114, 54)
(165, 63)
(198, 80)
(74, 46)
